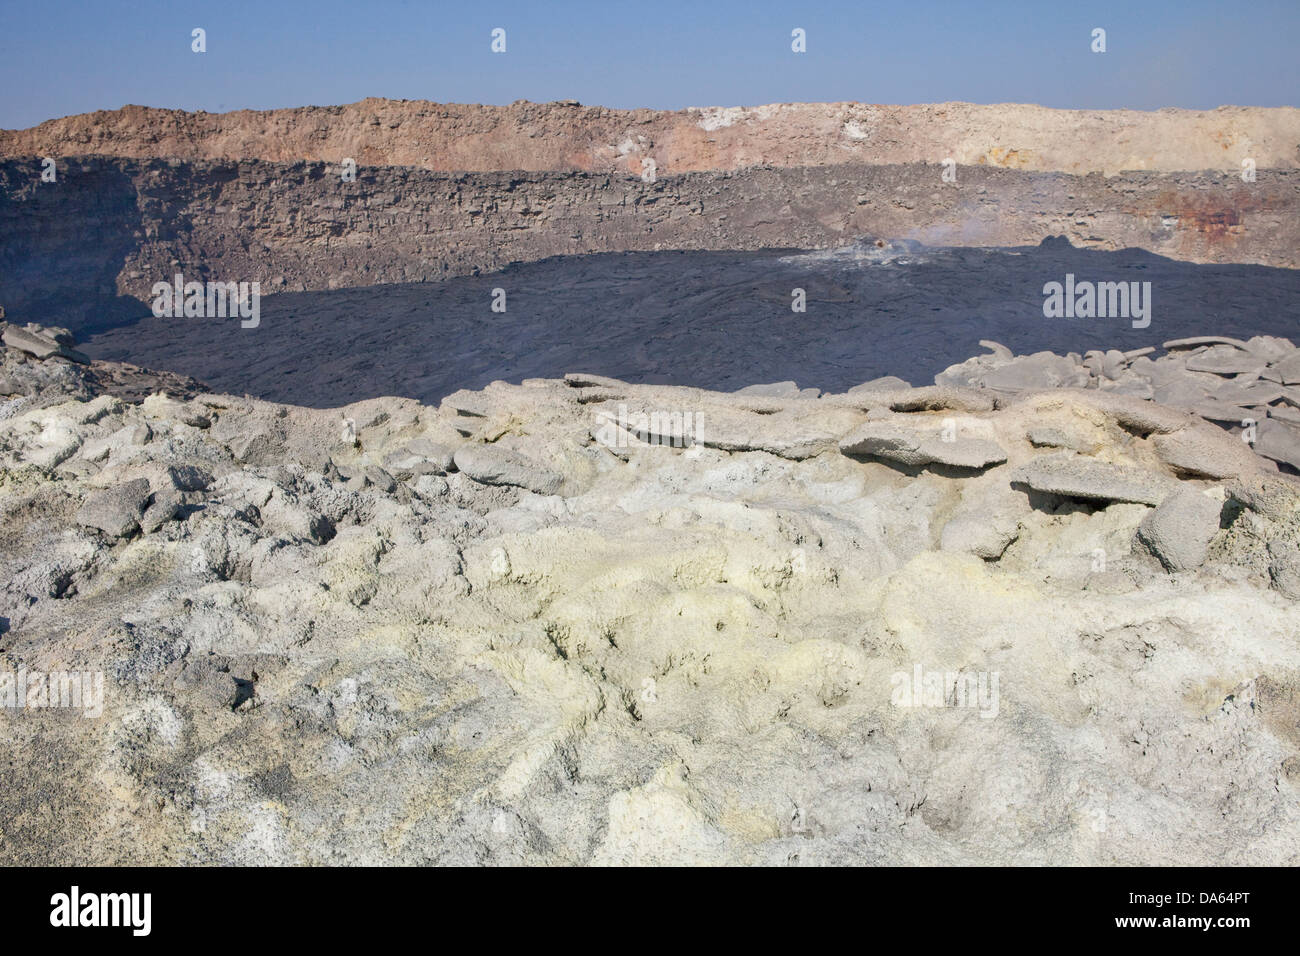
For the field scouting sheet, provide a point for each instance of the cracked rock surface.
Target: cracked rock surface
(587, 621)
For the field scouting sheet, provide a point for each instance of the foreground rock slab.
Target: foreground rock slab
(1180, 530)
(895, 443)
(1074, 476)
(495, 466)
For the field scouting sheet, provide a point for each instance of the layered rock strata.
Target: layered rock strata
(88, 249)
(568, 137)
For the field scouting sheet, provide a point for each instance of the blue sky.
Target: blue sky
(69, 56)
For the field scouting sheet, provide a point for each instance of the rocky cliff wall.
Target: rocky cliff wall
(85, 250)
(566, 136)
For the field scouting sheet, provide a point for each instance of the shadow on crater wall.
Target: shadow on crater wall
(62, 246)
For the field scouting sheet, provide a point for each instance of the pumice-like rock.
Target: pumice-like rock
(1046, 436)
(420, 456)
(887, 383)
(164, 505)
(1288, 368)
(1275, 497)
(1198, 341)
(40, 345)
(938, 398)
(1225, 360)
(1229, 383)
(895, 443)
(1279, 441)
(116, 511)
(1205, 451)
(775, 389)
(1000, 352)
(496, 466)
(1178, 532)
(1042, 370)
(1072, 476)
(1270, 348)
(1284, 567)
(584, 380)
(985, 526)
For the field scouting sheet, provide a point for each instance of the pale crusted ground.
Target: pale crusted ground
(351, 636)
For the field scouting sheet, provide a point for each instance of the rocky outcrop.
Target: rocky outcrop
(39, 367)
(1180, 530)
(1073, 476)
(42, 343)
(1240, 386)
(584, 636)
(116, 511)
(908, 447)
(491, 465)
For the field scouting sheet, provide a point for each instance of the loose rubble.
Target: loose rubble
(1235, 384)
